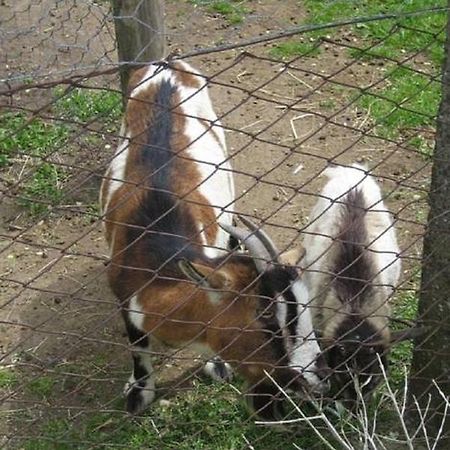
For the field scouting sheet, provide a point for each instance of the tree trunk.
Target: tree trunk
(139, 26)
(431, 358)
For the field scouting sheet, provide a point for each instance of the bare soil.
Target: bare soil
(57, 313)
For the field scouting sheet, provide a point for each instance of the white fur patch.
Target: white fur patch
(210, 156)
(136, 317)
(135, 314)
(148, 391)
(324, 223)
(117, 167)
(306, 348)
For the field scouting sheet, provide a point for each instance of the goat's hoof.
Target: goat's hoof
(218, 370)
(138, 397)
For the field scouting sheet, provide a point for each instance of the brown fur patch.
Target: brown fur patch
(137, 77)
(182, 312)
(184, 77)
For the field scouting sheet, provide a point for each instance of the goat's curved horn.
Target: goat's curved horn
(263, 237)
(254, 245)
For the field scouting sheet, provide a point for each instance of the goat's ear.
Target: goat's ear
(407, 333)
(205, 276)
(292, 257)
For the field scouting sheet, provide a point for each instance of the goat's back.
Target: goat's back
(326, 224)
(169, 180)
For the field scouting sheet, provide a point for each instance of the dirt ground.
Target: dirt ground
(57, 314)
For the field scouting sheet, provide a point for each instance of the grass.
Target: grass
(27, 143)
(46, 186)
(291, 49)
(7, 378)
(233, 11)
(207, 416)
(408, 102)
(41, 386)
(327, 103)
(210, 416)
(405, 307)
(84, 105)
(415, 36)
(32, 138)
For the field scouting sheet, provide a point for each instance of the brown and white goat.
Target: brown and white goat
(352, 267)
(166, 190)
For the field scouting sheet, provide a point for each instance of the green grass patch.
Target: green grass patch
(28, 142)
(327, 104)
(291, 49)
(41, 387)
(7, 378)
(410, 99)
(417, 34)
(210, 416)
(233, 11)
(85, 105)
(405, 307)
(408, 102)
(36, 138)
(44, 189)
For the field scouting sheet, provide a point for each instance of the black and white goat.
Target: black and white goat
(352, 267)
(166, 190)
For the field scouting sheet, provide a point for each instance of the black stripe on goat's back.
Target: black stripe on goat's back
(352, 266)
(157, 153)
(162, 225)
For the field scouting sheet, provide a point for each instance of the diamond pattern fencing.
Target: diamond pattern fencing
(320, 89)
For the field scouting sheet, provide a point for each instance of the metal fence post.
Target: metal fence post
(431, 358)
(139, 26)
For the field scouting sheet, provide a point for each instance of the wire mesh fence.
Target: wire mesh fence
(344, 86)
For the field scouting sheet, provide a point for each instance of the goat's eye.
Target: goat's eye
(267, 315)
(341, 349)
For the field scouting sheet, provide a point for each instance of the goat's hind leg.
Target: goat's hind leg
(140, 388)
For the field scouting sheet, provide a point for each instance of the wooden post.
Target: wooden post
(139, 26)
(431, 358)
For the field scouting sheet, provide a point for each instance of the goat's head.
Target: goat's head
(263, 325)
(357, 355)
(354, 354)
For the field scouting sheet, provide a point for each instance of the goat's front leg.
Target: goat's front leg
(140, 388)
